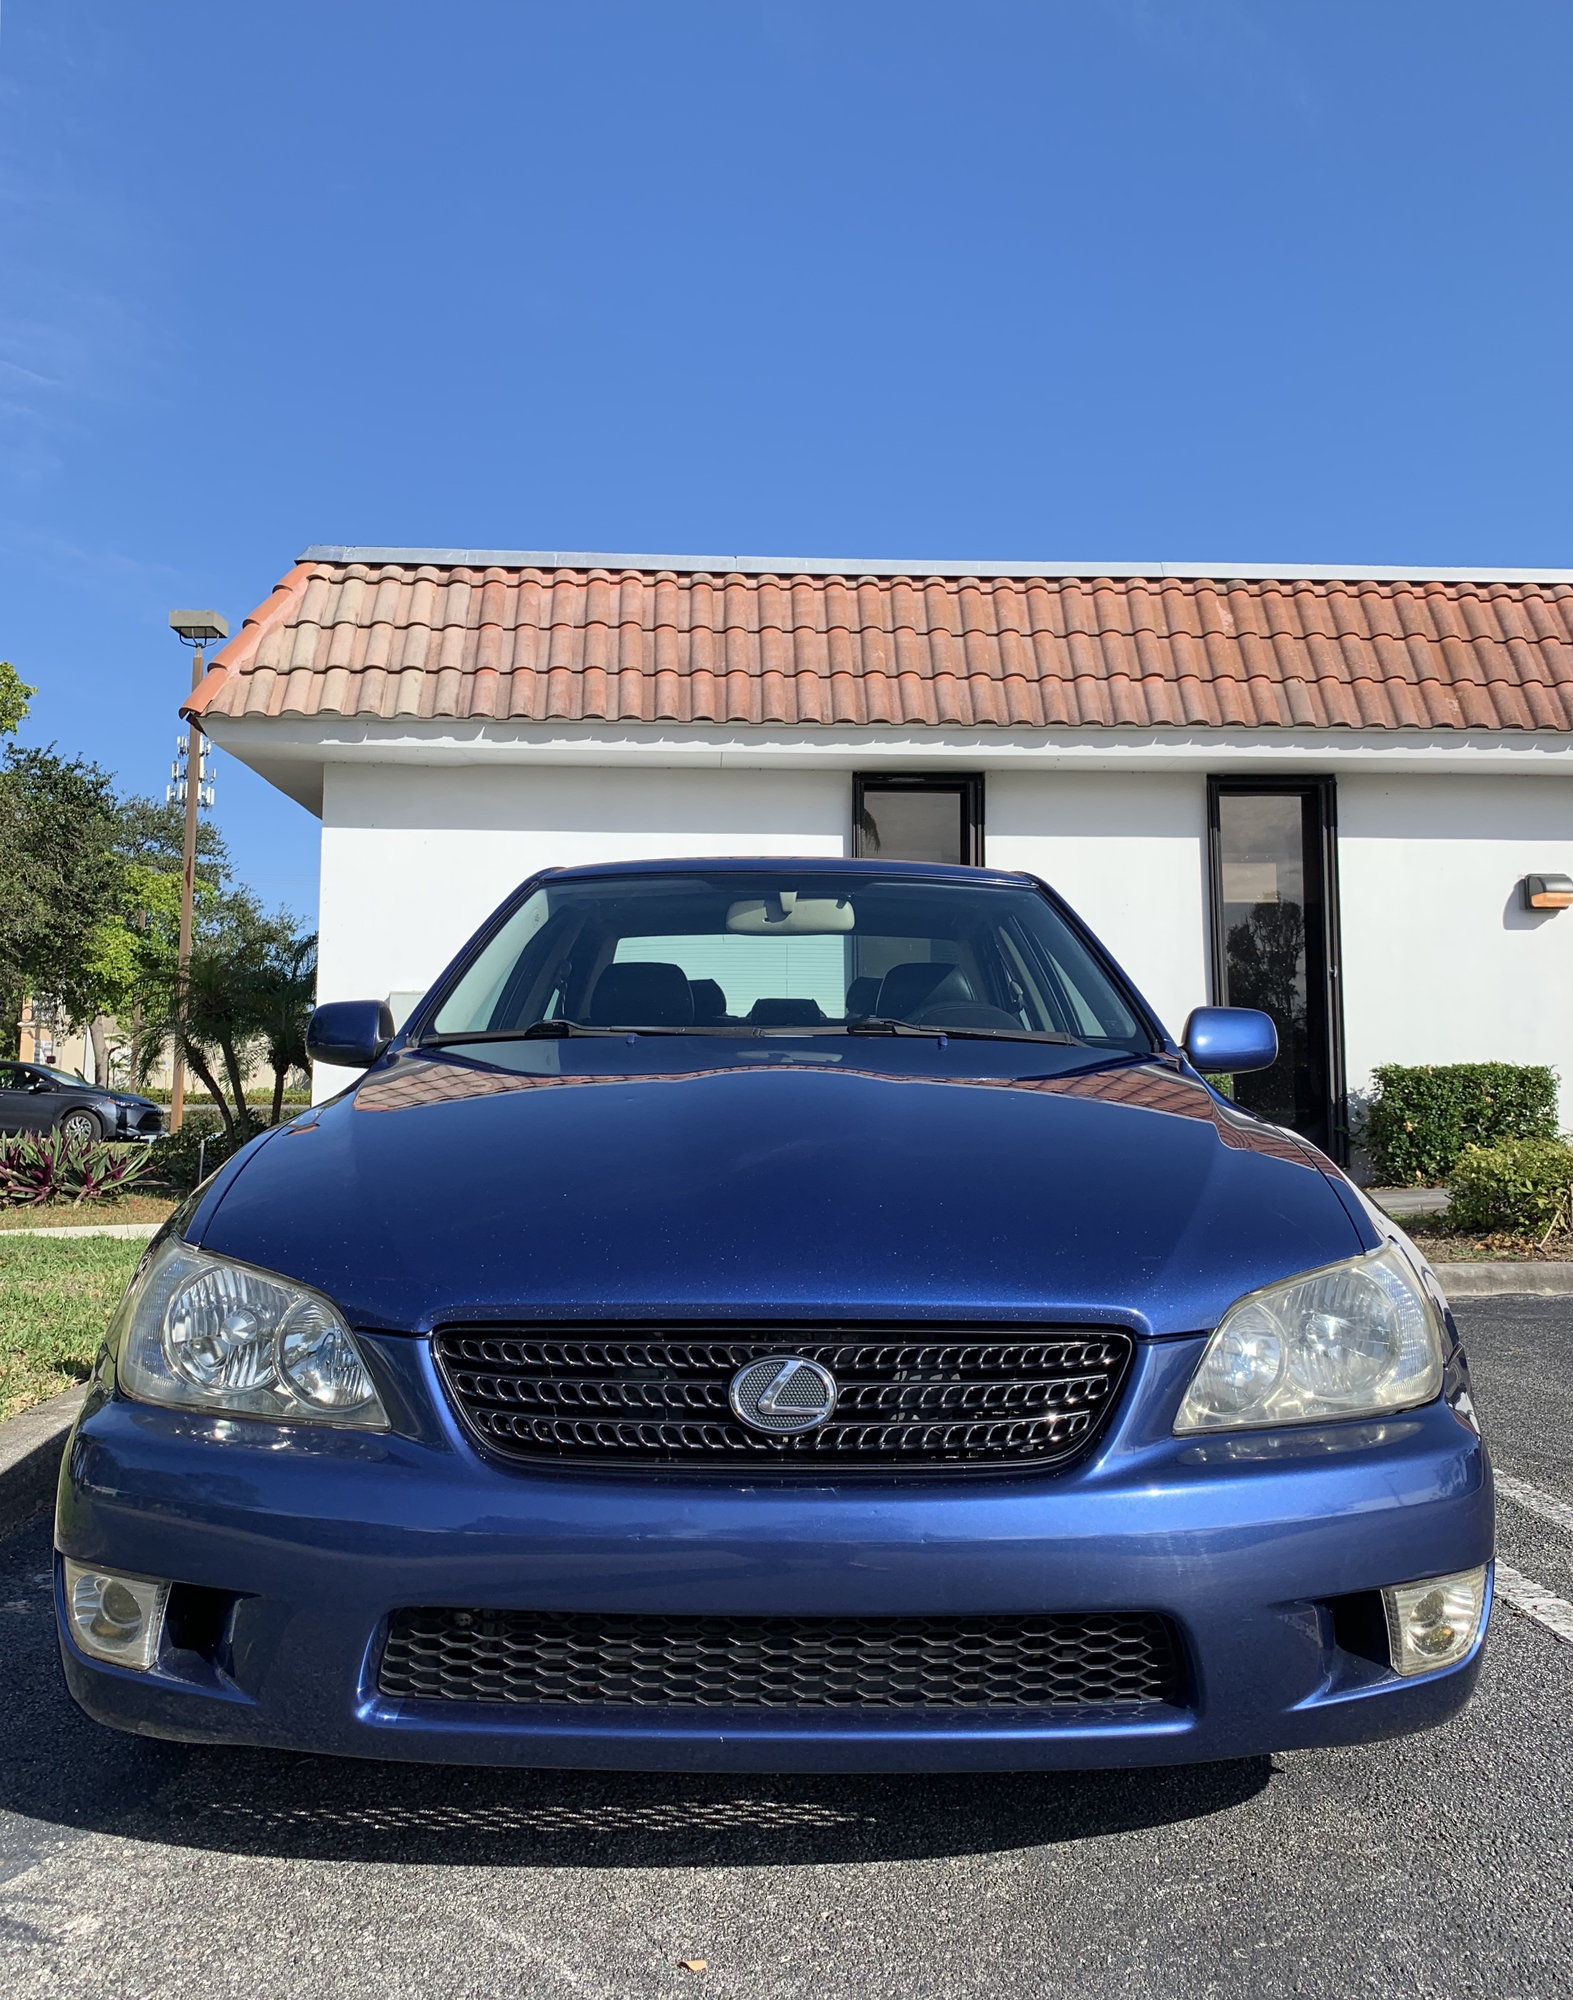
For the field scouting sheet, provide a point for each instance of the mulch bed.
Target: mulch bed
(1442, 1248)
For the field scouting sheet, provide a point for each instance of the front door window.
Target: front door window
(19, 1103)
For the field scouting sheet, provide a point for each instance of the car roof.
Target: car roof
(796, 864)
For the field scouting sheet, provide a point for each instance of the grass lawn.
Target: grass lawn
(55, 1301)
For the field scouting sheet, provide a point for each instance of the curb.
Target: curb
(1505, 1280)
(30, 1449)
(129, 1230)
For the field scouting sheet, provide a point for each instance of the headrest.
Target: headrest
(642, 995)
(862, 996)
(907, 989)
(709, 1000)
(785, 1014)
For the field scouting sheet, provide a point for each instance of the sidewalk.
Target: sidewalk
(129, 1230)
(1399, 1202)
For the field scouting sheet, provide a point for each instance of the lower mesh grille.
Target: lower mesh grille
(658, 1395)
(1054, 1660)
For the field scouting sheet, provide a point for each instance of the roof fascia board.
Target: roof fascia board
(859, 566)
(266, 744)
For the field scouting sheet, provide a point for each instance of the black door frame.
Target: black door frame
(968, 783)
(1325, 791)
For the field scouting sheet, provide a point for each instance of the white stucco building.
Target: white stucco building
(1313, 790)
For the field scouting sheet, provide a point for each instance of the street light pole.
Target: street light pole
(188, 892)
(197, 629)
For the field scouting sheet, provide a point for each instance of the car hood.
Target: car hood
(440, 1189)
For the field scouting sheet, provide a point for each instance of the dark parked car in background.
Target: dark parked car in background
(36, 1098)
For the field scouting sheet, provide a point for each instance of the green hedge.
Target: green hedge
(180, 1159)
(1425, 1117)
(1519, 1187)
(198, 1100)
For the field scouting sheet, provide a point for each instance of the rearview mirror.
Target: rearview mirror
(350, 1034)
(787, 914)
(1227, 1040)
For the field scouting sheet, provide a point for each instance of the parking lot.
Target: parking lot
(1440, 1865)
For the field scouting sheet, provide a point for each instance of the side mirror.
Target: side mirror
(40, 1084)
(350, 1034)
(1226, 1040)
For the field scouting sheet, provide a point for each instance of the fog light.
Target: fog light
(116, 1618)
(1432, 1624)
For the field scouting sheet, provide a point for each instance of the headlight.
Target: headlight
(197, 1332)
(1355, 1340)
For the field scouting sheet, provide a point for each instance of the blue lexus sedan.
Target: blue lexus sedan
(782, 1316)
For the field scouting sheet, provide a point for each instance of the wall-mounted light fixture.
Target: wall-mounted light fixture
(1547, 892)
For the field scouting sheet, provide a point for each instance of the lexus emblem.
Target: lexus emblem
(782, 1395)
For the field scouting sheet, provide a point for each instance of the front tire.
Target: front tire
(81, 1125)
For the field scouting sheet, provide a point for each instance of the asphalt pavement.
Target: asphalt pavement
(1442, 1865)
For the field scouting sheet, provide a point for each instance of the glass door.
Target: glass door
(1275, 943)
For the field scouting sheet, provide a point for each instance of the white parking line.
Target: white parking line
(1555, 1613)
(1533, 1501)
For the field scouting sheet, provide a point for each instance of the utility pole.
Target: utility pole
(197, 629)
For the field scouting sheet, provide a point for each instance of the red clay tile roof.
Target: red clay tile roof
(419, 639)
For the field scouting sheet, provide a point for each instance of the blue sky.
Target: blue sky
(1234, 280)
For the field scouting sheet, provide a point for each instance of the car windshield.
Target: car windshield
(777, 951)
(70, 1079)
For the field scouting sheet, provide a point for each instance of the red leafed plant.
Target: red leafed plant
(49, 1167)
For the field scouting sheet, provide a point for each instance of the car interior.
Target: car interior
(745, 954)
(657, 993)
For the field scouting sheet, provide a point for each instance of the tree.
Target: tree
(154, 833)
(15, 694)
(283, 990)
(90, 890)
(60, 876)
(244, 1000)
(136, 945)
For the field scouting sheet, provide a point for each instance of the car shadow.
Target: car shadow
(59, 1771)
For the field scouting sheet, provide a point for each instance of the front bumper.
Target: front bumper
(310, 1538)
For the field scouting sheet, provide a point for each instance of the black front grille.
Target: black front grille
(657, 1395)
(1056, 1660)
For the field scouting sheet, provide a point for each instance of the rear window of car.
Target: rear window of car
(777, 951)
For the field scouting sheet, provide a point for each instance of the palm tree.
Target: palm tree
(210, 1018)
(244, 998)
(282, 989)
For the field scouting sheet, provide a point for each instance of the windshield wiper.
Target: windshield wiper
(878, 1024)
(538, 1031)
(875, 1024)
(1013, 1035)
